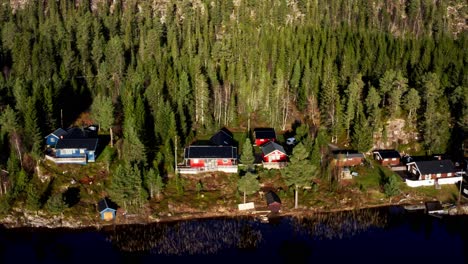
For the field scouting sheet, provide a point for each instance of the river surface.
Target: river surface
(384, 235)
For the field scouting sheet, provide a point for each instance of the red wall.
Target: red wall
(261, 141)
(271, 157)
(386, 162)
(200, 163)
(227, 162)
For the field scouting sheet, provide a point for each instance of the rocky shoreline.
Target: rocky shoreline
(26, 219)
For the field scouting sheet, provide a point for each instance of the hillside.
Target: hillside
(158, 75)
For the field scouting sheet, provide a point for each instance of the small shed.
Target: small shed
(273, 201)
(107, 209)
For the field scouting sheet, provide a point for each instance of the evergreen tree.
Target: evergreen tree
(247, 157)
(31, 129)
(391, 187)
(353, 98)
(154, 183)
(412, 102)
(299, 172)
(248, 184)
(102, 111)
(33, 201)
(362, 136)
(56, 204)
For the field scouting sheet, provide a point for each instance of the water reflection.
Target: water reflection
(341, 225)
(194, 237)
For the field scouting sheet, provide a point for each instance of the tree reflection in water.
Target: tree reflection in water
(194, 237)
(339, 225)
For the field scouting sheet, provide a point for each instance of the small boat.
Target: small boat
(263, 218)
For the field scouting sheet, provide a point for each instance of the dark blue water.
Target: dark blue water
(386, 235)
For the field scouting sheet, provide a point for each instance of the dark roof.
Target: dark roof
(272, 146)
(105, 203)
(264, 133)
(77, 143)
(435, 166)
(347, 154)
(388, 153)
(272, 197)
(76, 132)
(59, 133)
(204, 152)
(222, 138)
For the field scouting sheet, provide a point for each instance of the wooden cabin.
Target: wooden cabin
(431, 169)
(273, 152)
(264, 135)
(74, 145)
(387, 157)
(199, 158)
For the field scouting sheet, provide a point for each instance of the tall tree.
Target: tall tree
(248, 184)
(372, 107)
(154, 183)
(353, 97)
(362, 136)
(299, 172)
(436, 132)
(102, 111)
(31, 128)
(247, 157)
(411, 103)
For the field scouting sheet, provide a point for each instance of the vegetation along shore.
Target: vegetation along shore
(144, 111)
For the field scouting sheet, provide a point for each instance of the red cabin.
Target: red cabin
(387, 157)
(273, 152)
(264, 135)
(211, 158)
(431, 170)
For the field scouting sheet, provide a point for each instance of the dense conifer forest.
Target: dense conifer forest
(156, 74)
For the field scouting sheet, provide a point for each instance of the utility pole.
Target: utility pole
(61, 117)
(461, 184)
(175, 155)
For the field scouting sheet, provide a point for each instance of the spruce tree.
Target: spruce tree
(247, 157)
(248, 184)
(299, 172)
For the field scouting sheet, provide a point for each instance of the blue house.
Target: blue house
(76, 150)
(53, 138)
(107, 209)
(74, 145)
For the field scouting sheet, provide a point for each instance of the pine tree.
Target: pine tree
(411, 103)
(247, 157)
(33, 201)
(31, 129)
(56, 204)
(154, 183)
(299, 172)
(362, 136)
(248, 184)
(102, 111)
